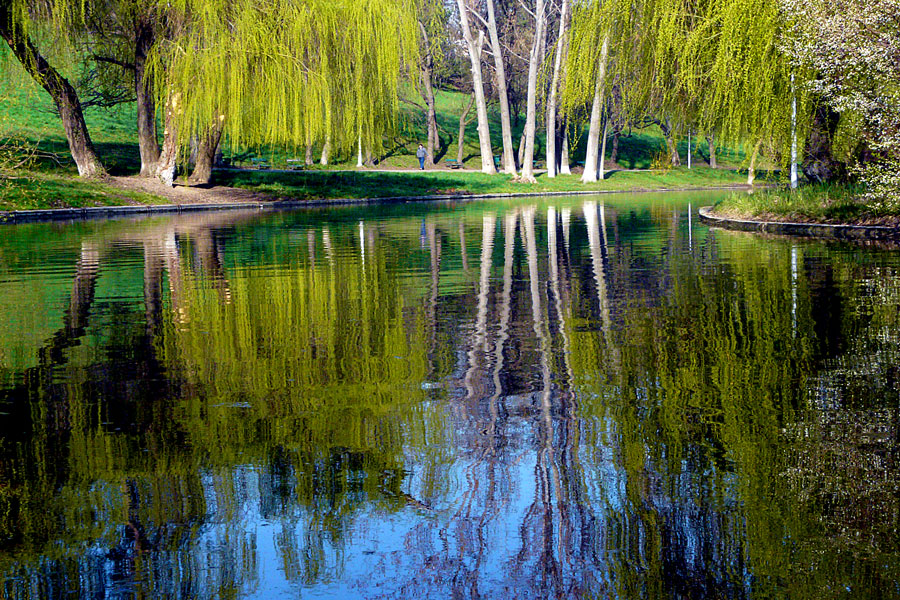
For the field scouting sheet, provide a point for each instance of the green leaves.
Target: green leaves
(712, 65)
(282, 72)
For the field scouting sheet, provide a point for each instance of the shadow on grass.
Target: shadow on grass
(119, 159)
(323, 184)
(639, 151)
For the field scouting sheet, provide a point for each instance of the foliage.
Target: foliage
(284, 72)
(853, 49)
(713, 65)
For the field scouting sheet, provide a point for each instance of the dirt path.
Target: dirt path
(181, 194)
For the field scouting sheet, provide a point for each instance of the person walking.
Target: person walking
(420, 154)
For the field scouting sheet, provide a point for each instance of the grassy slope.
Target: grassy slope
(26, 113)
(49, 177)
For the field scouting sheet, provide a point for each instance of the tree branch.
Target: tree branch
(479, 17)
(107, 59)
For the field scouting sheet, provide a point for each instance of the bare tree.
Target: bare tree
(552, 163)
(475, 47)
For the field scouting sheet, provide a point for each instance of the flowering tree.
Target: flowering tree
(852, 48)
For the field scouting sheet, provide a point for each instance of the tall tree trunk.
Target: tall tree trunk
(601, 163)
(711, 142)
(206, 154)
(193, 147)
(593, 145)
(148, 143)
(751, 170)
(819, 163)
(475, 46)
(614, 153)
(326, 151)
(674, 157)
(509, 165)
(428, 96)
(437, 136)
(552, 160)
(690, 153)
(795, 178)
(537, 53)
(62, 92)
(308, 156)
(564, 152)
(168, 157)
(522, 149)
(462, 130)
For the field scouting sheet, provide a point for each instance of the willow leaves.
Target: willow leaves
(285, 72)
(712, 65)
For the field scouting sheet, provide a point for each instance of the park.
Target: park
(427, 299)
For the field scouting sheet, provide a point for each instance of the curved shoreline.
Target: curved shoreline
(100, 212)
(819, 230)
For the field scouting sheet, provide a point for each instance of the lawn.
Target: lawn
(837, 204)
(300, 185)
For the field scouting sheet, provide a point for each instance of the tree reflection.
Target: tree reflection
(620, 404)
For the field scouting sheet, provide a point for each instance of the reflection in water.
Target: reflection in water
(621, 403)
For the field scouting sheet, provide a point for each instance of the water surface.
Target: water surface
(548, 398)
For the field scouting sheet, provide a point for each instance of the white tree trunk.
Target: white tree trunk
(689, 149)
(751, 170)
(509, 162)
(554, 85)
(474, 47)
(564, 154)
(428, 96)
(326, 151)
(593, 145)
(794, 175)
(359, 156)
(601, 159)
(540, 18)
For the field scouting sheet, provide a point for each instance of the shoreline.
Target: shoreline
(15, 217)
(817, 230)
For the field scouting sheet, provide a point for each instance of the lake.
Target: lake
(583, 397)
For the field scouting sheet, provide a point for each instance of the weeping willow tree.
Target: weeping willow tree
(283, 72)
(713, 65)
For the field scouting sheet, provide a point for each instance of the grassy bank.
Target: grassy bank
(32, 190)
(835, 204)
(366, 184)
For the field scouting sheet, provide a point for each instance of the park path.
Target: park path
(183, 194)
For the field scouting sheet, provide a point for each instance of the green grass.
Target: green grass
(30, 190)
(813, 203)
(27, 113)
(303, 185)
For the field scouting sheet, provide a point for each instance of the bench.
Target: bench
(296, 163)
(259, 163)
(452, 163)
